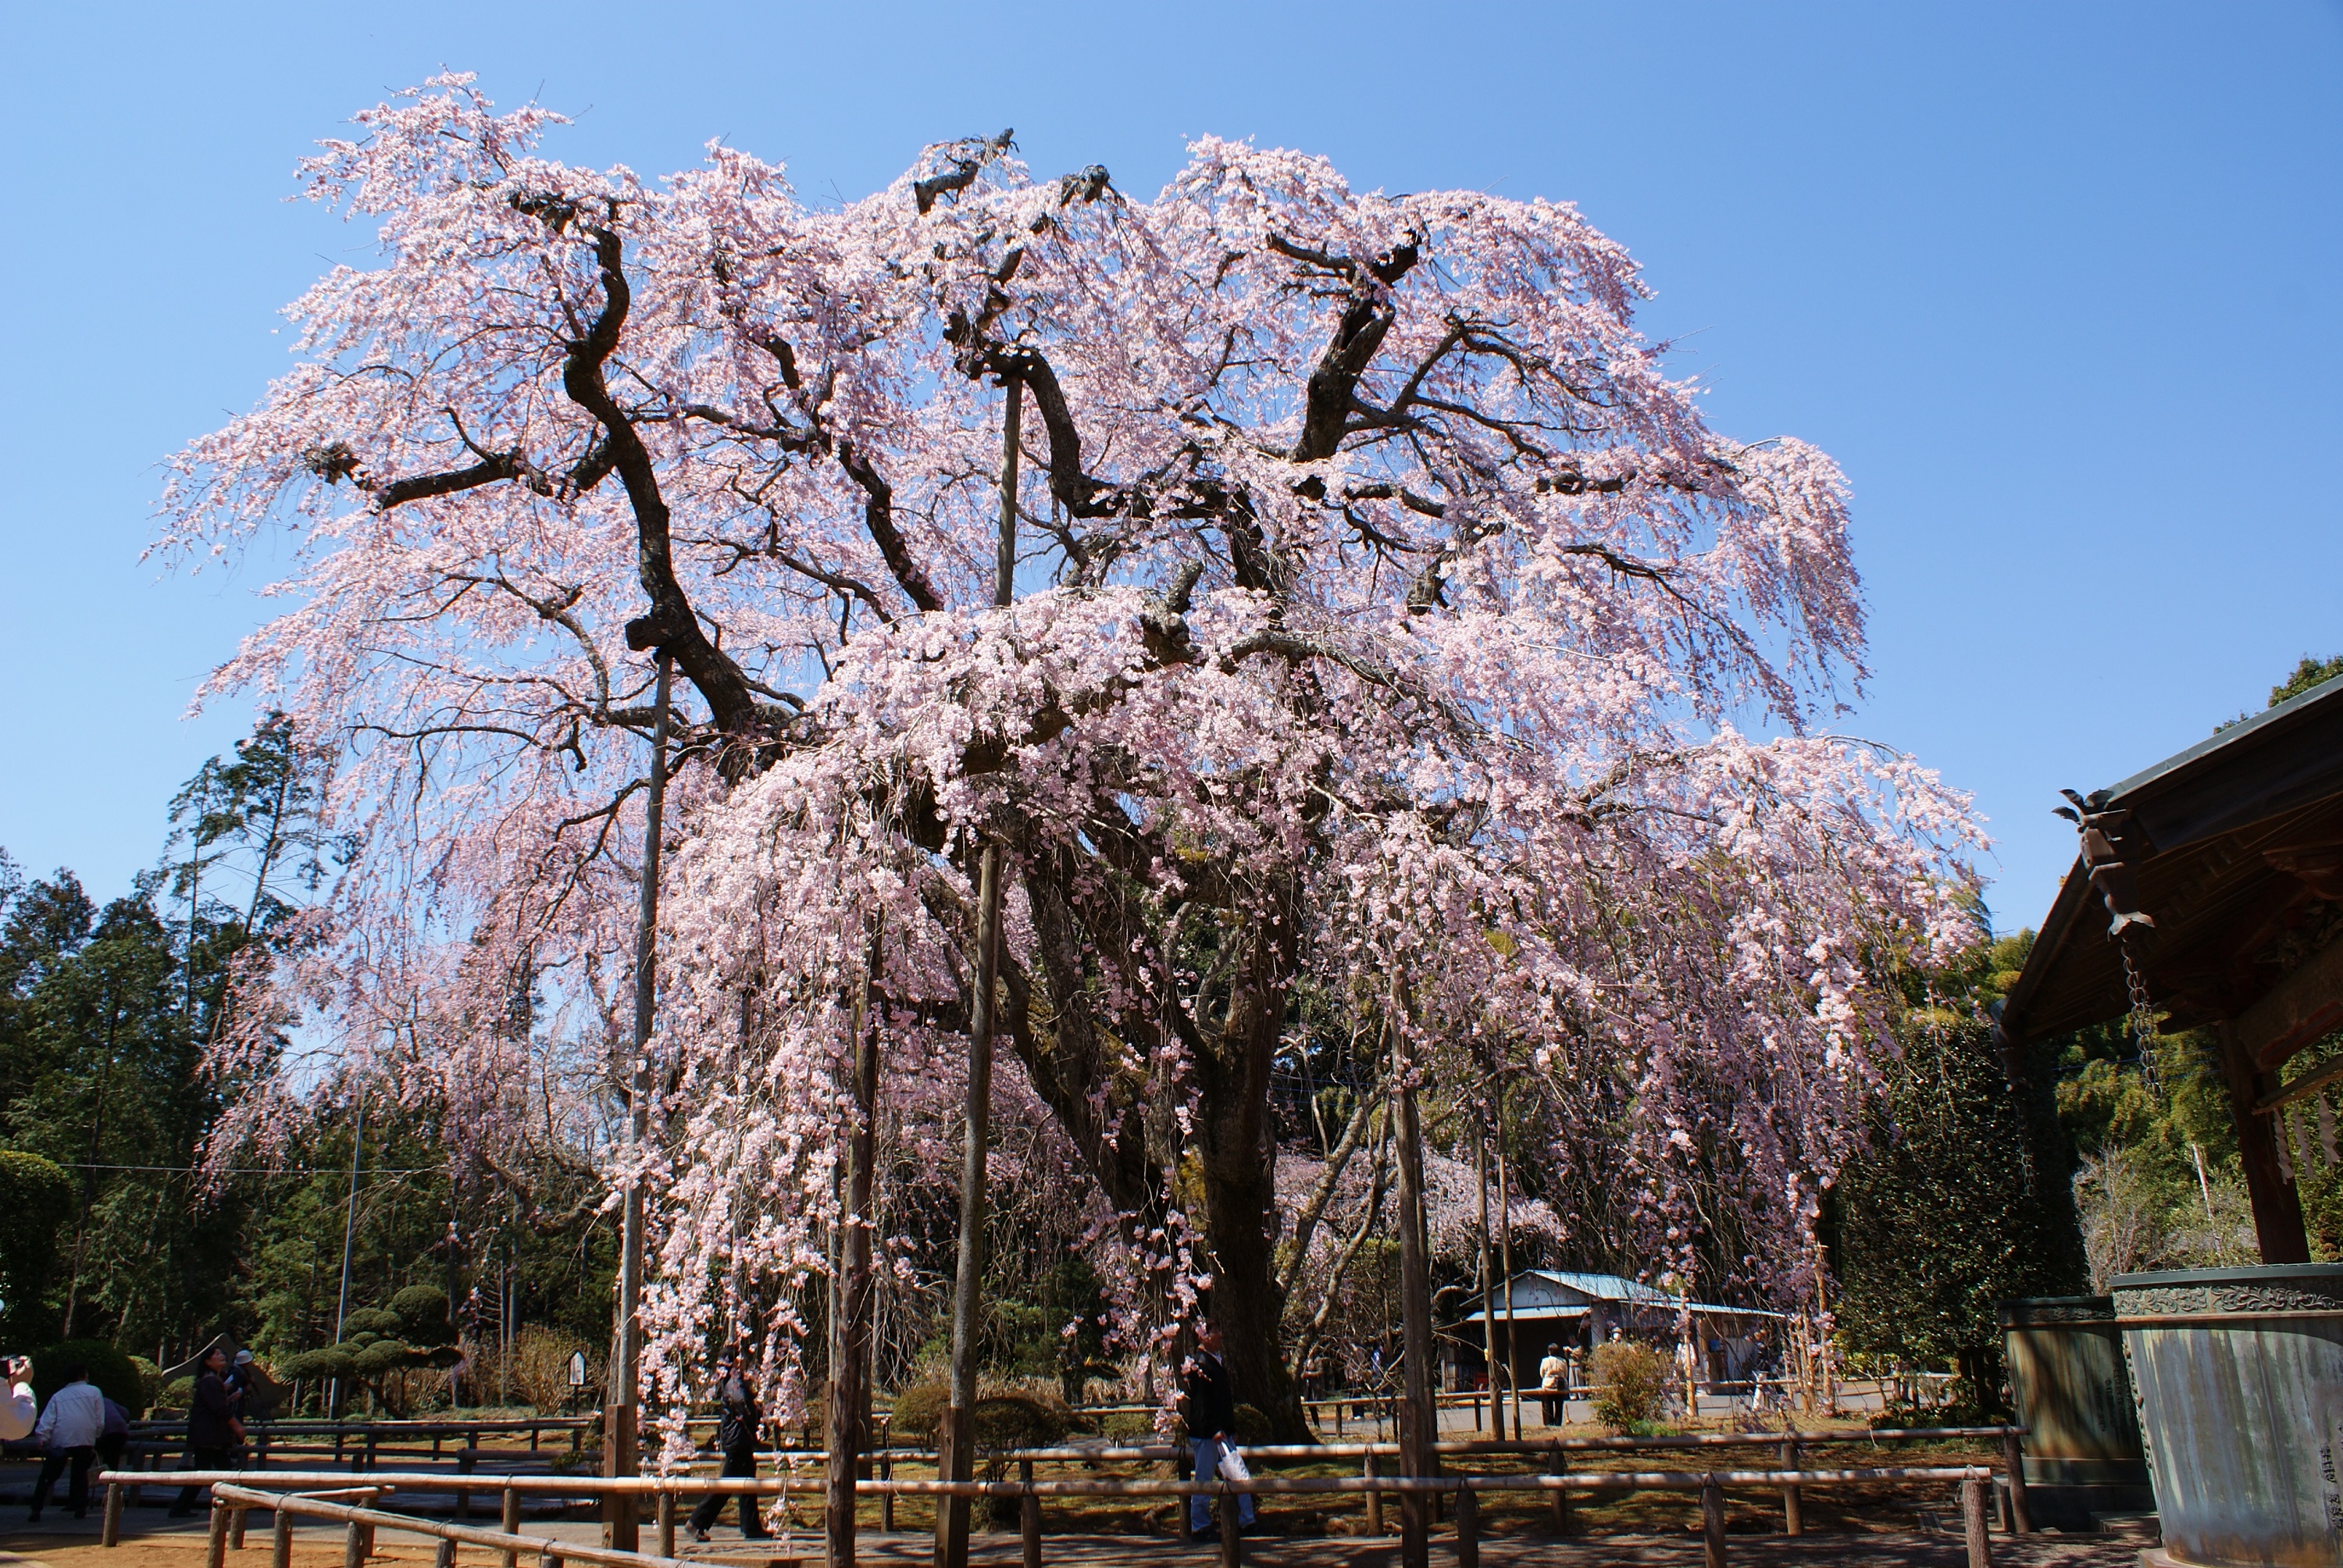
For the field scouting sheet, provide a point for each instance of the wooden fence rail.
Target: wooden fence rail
(232, 1494)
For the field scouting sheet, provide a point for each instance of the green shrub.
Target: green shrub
(1004, 1417)
(150, 1382)
(1253, 1427)
(1130, 1426)
(1632, 1381)
(109, 1368)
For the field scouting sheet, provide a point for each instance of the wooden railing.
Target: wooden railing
(234, 1493)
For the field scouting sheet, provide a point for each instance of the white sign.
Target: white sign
(577, 1369)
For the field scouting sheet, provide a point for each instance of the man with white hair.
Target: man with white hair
(68, 1429)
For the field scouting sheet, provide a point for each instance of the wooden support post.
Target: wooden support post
(951, 1513)
(235, 1528)
(372, 1442)
(1232, 1535)
(280, 1539)
(354, 1546)
(216, 1543)
(1375, 1498)
(467, 1463)
(666, 1524)
(1558, 1499)
(886, 1499)
(110, 1534)
(1712, 1524)
(1973, 1524)
(1029, 1515)
(2021, 1518)
(510, 1525)
(1468, 1527)
(443, 1554)
(2277, 1201)
(1794, 1515)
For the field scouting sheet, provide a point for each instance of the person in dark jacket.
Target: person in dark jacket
(214, 1432)
(1209, 1401)
(736, 1436)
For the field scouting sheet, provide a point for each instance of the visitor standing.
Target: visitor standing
(1210, 1406)
(736, 1436)
(1553, 1387)
(17, 1406)
(68, 1430)
(212, 1430)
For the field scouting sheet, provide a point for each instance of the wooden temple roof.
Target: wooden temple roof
(2234, 849)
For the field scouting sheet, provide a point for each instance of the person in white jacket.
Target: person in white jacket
(18, 1405)
(69, 1428)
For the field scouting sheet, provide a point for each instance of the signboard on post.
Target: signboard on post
(577, 1377)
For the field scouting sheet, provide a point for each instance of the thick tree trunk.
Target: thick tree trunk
(1237, 1149)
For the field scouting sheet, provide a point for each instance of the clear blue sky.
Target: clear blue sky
(2060, 286)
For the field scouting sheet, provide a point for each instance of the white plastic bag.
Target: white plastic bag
(1232, 1465)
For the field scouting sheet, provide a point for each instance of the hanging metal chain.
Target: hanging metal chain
(2142, 1018)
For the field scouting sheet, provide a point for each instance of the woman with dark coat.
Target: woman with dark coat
(214, 1431)
(736, 1435)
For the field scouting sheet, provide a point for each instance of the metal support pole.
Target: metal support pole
(1973, 1524)
(956, 1462)
(1712, 1524)
(2021, 1517)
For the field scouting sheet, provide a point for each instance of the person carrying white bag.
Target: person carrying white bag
(1209, 1403)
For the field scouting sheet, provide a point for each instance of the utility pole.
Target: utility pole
(955, 1439)
(349, 1227)
(621, 1426)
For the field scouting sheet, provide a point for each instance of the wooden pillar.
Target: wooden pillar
(1712, 1524)
(1973, 1524)
(1029, 1515)
(2021, 1515)
(1468, 1527)
(510, 1525)
(1794, 1517)
(2277, 1207)
(280, 1539)
(110, 1532)
(216, 1544)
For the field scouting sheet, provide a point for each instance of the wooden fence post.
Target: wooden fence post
(1231, 1534)
(443, 1554)
(1468, 1527)
(110, 1534)
(354, 1546)
(1029, 1515)
(2021, 1517)
(1793, 1514)
(511, 1524)
(280, 1539)
(216, 1542)
(886, 1499)
(1712, 1524)
(665, 1515)
(1973, 1524)
(235, 1528)
(1560, 1497)
(1375, 1497)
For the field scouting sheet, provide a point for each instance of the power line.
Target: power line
(250, 1170)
